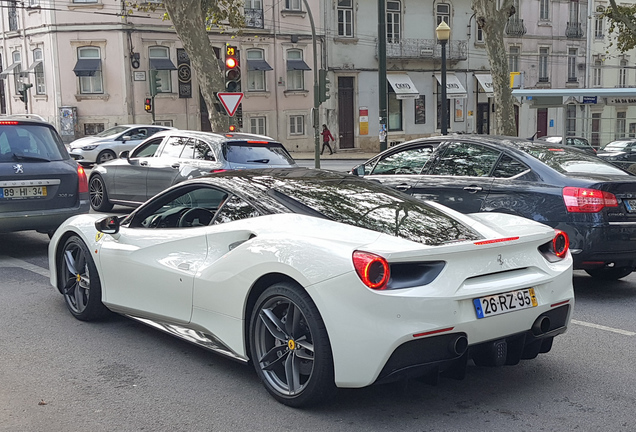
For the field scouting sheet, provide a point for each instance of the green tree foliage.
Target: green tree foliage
(622, 24)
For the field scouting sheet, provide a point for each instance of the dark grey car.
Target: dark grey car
(40, 185)
(170, 157)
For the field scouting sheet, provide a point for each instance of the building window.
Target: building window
(442, 13)
(570, 122)
(598, 27)
(38, 70)
(162, 53)
(393, 21)
(345, 18)
(293, 5)
(544, 57)
(13, 16)
(34, 3)
(166, 123)
(295, 70)
(93, 128)
(596, 130)
(17, 71)
(90, 83)
(513, 59)
(420, 110)
(544, 10)
(480, 35)
(622, 74)
(572, 52)
(632, 130)
(574, 11)
(85, 1)
(253, 10)
(395, 112)
(255, 78)
(620, 124)
(297, 125)
(596, 73)
(257, 125)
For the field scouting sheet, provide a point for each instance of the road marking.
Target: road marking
(602, 327)
(7, 261)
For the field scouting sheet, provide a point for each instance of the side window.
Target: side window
(173, 147)
(202, 150)
(409, 161)
(235, 209)
(137, 134)
(463, 159)
(509, 167)
(148, 149)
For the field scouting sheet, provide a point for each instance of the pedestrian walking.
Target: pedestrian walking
(326, 136)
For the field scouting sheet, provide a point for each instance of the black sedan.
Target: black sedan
(590, 199)
(621, 153)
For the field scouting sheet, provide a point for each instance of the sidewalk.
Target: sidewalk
(339, 155)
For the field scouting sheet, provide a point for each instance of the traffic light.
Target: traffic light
(155, 82)
(148, 105)
(23, 91)
(232, 70)
(323, 85)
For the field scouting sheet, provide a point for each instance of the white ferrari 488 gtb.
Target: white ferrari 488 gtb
(321, 280)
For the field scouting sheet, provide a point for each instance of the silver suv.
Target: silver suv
(40, 185)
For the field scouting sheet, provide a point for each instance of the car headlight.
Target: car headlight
(90, 147)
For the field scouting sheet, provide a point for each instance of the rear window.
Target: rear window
(30, 142)
(566, 161)
(253, 153)
(618, 146)
(372, 206)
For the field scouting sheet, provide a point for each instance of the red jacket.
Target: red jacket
(326, 135)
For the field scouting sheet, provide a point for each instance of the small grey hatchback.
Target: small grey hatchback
(40, 185)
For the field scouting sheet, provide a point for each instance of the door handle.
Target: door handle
(473, 189)
(403, 187)
(184, 266)
(175, 166)
(143, 163)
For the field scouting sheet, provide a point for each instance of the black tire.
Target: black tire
(99, 195)
(610, 273)
(105, 156)
(278, 349)
(79, 282)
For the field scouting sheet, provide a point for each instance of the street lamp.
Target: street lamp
(443, 34)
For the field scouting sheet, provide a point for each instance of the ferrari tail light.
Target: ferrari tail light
(217, 170)
(556, 249)
(560, 243)
(372, 269)
(583, 200)
(82, 186)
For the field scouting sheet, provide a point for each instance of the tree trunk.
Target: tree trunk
(493, 22)
(188, 17)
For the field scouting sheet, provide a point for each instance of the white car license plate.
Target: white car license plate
(630, 204)
(505, 302)
(23, 192)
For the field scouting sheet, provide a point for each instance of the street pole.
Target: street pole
(316, 110)
(443, 126)
(443, 34)
(382, 89)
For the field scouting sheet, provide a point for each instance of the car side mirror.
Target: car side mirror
(108, 225)
(125, 138)
(358, 170)
(125, 154)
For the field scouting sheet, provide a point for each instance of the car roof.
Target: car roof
(214, 136)
(25, 118)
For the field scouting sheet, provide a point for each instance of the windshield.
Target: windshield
(369, 205)
(246, 152)
(617, 146)
(112, 131)
(30, 142)
(566, 161)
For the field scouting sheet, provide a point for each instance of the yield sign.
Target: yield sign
(230, 101)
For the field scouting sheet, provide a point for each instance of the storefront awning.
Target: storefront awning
(258, 65)
(485, 81)
(34, 65)
(454, 89)
(87, 67)
(9, 70)
(162, 64)
(402, 86)
(297, 65)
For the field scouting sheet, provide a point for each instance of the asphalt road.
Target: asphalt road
(60, 374)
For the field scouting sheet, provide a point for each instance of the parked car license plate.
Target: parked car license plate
(505, 302)
(630, 204)
(22, 192)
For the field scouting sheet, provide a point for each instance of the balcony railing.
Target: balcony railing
(253, 18)
(426, 48)
(515, 27)
(574, 30)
